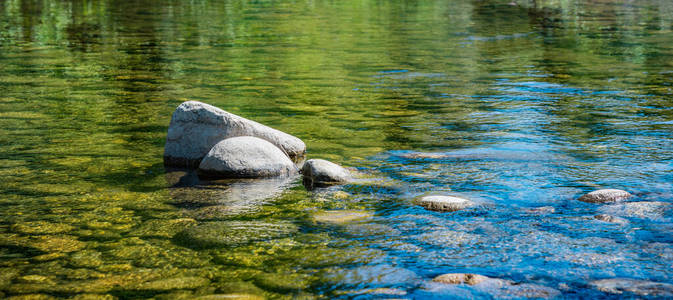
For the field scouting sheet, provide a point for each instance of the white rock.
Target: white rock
(319, 172)
(196, 127)
(444, 203)
(605, 196)
(246, 157)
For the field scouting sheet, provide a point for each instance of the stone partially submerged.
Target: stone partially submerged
(605, 196)
(246, 157)
(444, 203)
(320, 173)
(196, 127)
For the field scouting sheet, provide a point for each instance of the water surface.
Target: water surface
(516, 105)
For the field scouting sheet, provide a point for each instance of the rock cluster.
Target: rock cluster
(224, 145)
(196, 127)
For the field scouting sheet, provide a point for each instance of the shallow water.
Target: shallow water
(515, 106)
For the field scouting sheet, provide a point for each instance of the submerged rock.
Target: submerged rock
(232, 233)
(641, 209)
(444, 203)
(319, 172)
(605, 196)
(542, 210)
(196, 127)
(340, 216)
(246, 157)
(498, 288)
(173, 283)
(635, 286)
(610, 219)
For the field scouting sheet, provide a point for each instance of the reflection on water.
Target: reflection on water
(519, 105)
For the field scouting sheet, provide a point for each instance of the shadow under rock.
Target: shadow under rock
(216, 199)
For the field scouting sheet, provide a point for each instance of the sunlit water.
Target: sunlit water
(515, 105)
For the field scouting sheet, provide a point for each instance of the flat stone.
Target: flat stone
(196, 127)
(461, 278)
(320, 173)
(605, 196)
(635, 286)
(232, 233)
(340, 216)
(246, 157)
(444, 203)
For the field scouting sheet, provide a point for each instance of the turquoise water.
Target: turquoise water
(515, 105)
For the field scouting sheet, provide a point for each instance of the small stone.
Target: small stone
(196, 127)
(460, 278)
(635, 286)
(605, 196)
(246, 157)
(320, 173)
(444, 203)
(340, 216)
(610, 219)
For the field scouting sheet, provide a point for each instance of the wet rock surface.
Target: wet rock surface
(320, 173)
(605, 196)
(444, 203)
(246, 157)
(633, 286)
(196, 127)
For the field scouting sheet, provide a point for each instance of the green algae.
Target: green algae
(232, 233)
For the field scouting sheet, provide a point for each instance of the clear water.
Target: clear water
(516, 106)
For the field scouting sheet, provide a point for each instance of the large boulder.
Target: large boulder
(245, 157)
(196, 127)
(319, 173)
(605, 196)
